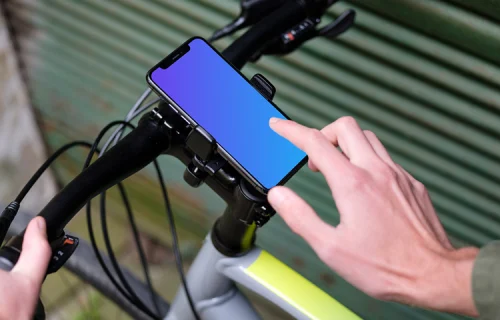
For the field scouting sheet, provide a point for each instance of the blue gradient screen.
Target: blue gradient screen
(228, 107)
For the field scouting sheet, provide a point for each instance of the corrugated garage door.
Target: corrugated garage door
(423, 75)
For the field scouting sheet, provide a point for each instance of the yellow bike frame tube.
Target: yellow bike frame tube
(296, 290)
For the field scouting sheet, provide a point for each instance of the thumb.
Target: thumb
(35, 256)
(300, 217)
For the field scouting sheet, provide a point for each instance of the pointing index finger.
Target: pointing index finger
(321, 152)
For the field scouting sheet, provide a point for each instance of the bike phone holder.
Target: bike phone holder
(248, 209)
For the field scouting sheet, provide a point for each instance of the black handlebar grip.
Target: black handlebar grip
(138, 149)
(135, 151)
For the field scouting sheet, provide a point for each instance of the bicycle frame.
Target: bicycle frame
(212, 278)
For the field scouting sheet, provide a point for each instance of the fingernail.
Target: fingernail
(273, 120)
(40, 222)
(277, 196)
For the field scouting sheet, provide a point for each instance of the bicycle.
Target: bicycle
(228, 255)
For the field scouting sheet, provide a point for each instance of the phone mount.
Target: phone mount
(247, 209)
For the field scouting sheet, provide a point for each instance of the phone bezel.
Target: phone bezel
(174, 56)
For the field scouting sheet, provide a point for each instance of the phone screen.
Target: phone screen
(218, 98)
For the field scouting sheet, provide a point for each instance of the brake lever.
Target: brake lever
(339, 25)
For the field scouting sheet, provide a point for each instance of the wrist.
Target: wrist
(448, 287)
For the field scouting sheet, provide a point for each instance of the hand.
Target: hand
(20, 288)
(390, 242)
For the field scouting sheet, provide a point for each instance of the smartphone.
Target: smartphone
(208, 91)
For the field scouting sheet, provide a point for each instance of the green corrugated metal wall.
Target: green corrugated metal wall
(423, 75)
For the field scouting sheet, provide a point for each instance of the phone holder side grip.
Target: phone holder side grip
(264, 86)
